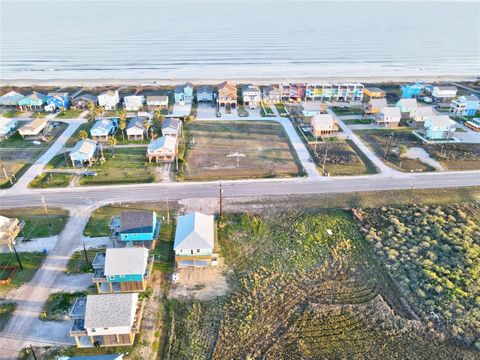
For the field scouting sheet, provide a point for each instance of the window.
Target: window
(112, 277)
(191, 252)
(122, 276)
(105, 328)
(93, 330)
(198, 250)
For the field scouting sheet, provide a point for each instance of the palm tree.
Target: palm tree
(112, 142)
(158, 121)
(83, 134)
(122, 122)
(147, 125)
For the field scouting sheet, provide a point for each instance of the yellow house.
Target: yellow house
(374, 92)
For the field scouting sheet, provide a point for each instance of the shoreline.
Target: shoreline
(214, 81)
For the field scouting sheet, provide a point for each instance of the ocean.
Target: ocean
(237, 39)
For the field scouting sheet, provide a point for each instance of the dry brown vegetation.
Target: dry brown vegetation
(456, 156)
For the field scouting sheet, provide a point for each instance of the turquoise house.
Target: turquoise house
(125, 269)
(135, 228)
(183, 94)
(411, 91)
(103, 129)
(34, 101)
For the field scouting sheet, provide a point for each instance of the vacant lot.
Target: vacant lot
(378, 141)
(49, 180)
(341, 158)
(456, 156)
(37, 223)
(31, 262)
(59, 304)
(235, 150)
(6, 311)
(433, 253)
(300, 293)
(18, 155)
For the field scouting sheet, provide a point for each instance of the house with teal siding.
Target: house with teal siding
(465, 106)
(122, 270)
(103, 129)
(183, 94)
(34, 101)
(135, 228)
(411, 90)
(83, 153)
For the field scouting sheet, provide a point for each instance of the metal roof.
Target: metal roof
(126, 261)
(194, 231)
(110, 310)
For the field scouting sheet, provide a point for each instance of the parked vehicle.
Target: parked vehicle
(218, 114)
(90, 174)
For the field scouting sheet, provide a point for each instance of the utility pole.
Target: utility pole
(46, 212)
(387, 151)
(221, 200)
(325, 157)
(33, 352)
(168, 208)
(18, 257)
(85, 253)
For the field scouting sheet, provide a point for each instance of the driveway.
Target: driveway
(37, 168)
(181, 110)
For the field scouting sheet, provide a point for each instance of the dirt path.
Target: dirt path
(22, 328)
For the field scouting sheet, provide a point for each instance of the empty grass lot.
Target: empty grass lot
(31, 262)
(282, 111)
(18, 155)
(69, 114)
(59, 304)
(36, 221)
(50, 180)
(6, 311)
(266, 147)
(456, 157)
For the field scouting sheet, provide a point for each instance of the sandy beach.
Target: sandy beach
(213, 81)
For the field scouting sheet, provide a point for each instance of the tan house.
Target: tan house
(136, 128)
(374, 106)
(34, 129)
(227, 94)
(157, 101)
(163, 149)
(323, 125)
(106, 320)
(9, 230)
(388, 117)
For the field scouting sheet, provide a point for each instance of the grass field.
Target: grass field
(265, 145)
(78, 264)
(18, 155)
(50, 180)
(347, 110)
(298, 292)
(377, 140)
(13, 113)
(72, 140)
(59, 304)
(69, 114)
(6, 311)
(31, 262)
(282, 111)
(456, 156)
(36, 221)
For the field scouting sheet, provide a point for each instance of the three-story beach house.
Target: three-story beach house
(205, 94)
(183, 94)
(251, 96)
(227, 94)
(388, 117)
(465, 106)
(81, 102)
(109, 99)
(133, 102)
(135, 228)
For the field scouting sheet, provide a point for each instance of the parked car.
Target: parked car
(90, 174)
(218, 114)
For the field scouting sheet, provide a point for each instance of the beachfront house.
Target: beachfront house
(34, 129)
(81, 102)
(442, 93)
(109, 99)
(388, 117)
(318, 91)
(292, 91)
(162, 149)
(375, 105)
(135, 228)
(103, 129)
(227, 94)
(11, 98)
(83, 153)
(34, 101)
(420, 114)
(183, 94)
(136, 128)
(323, 125)
(194, 240)
(7, 127)
(271, 95)
(407, 107)
(9, 230)
(133, 102)
(106, 320)
(374, 92)
(348, 91)
(438, 127)
(205, 94)
(122, 270)
(465, 106)
(251, 96)
(411, 90)
(172, 127)
(57, 100)
(157, 101)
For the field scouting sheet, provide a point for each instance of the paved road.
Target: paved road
(23, 327)
(37, 168)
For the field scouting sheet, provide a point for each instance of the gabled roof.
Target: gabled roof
(37, 96)
(322, 122)
(250, 88)
(408, 103)
(424, 111)
(194, 231)
(180, 88)
(160, 98)
(110, 310)
(109, 93)
(33, 126)
(55, 94)
(85, 146)
(269, 89)
(440, 121)
(136, 122)
(87, 97)
(132, 222)
(133, 97)
(10, 98)
(206, 89)
(126, 261)
(442, 88)
(391, 112)
(102, 126)
(171, 123)
(378, 103)
(228, 86)
(167, 142)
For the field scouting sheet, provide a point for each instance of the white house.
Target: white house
(194, 240)
(420, 114)
(439, 127)
(205, 94)
(251, 96)
(157, 101)
(271, 94)
(11, 98)
(323, 125)
(83, 153)
(133, 102)
(109, 99)
(34, 128)
(444, 92)
(388, 117)
(7, 126)
(162, 149)
(172, 127)
(136, 128)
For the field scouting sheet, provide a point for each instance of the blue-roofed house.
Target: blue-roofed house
(183, 94)
(11, 98)
(123, 269)
(83, 153)
(162, 149)
(411, 90)
(103, 129)
(136, 228)
(465, 106)
(57, 100)
(194, 240)
(34, 101)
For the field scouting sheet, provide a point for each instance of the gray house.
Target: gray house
(205, 94)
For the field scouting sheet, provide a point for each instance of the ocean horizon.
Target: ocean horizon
(237, 39)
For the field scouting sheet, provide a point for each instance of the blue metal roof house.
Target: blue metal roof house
(411, 90)
(103, 128)
(83, 152)
(136, 228)
(58, 100)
